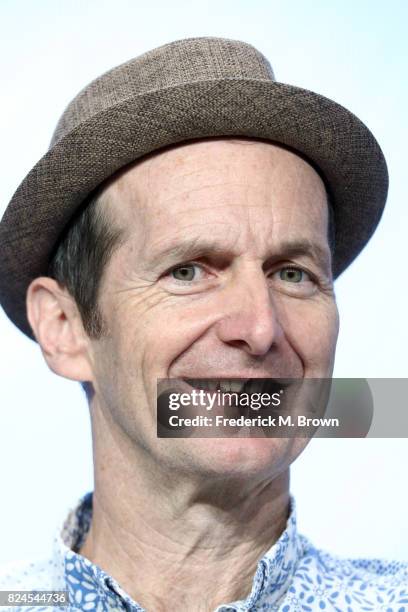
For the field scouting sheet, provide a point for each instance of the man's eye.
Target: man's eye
(187, 272)
(294, 281)
(293, 275)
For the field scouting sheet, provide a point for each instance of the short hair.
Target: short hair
(79, 260)
(80, 257)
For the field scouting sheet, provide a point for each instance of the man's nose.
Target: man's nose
(250, 318)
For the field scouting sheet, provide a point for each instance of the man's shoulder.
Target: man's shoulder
(346, 581)
(361, 568)
(37, 574)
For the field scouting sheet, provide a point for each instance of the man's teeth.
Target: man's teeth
(224, 385)
(231, 386)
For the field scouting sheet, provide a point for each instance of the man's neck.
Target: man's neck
(173, 545)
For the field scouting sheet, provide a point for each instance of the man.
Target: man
(188, 222)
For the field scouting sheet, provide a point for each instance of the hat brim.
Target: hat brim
(331, 137)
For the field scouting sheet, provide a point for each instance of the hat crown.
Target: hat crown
(176, 63)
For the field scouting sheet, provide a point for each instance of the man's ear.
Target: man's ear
(57, 326)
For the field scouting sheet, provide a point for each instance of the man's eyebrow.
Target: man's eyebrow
(188, 249)
(296, 248)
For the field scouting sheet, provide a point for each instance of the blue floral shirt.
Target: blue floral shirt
(293, 576)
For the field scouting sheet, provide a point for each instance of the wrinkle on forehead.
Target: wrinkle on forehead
(201, 182)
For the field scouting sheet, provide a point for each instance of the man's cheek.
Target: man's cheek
(314, 335)
(134, 304)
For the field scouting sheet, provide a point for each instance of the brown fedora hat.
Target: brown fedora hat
(193, 88)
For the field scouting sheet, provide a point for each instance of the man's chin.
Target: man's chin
(238, 457)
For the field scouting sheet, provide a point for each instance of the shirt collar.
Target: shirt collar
(93, 589)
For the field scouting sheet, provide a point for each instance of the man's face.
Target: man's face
(225, 272)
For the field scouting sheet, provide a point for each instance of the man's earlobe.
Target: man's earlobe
(57, 327)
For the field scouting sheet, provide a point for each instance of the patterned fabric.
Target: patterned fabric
(293, 576)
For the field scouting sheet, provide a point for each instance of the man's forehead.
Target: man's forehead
(222, 210)
(209, 174)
